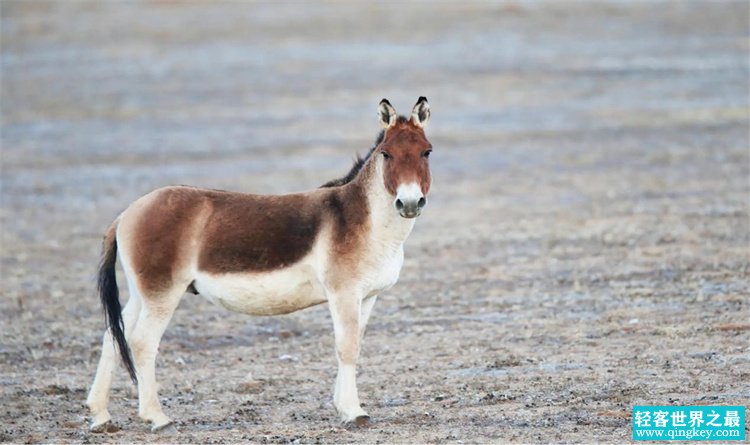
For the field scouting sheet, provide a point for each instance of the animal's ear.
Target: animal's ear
(386, 114)
(420, 114)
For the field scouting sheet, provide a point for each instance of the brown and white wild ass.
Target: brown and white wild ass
(264, 255)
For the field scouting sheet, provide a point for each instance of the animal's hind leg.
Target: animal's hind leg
(156, 311)
(98, 398)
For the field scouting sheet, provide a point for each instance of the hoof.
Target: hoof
(360, 422)
(166, 428)
(104, 427)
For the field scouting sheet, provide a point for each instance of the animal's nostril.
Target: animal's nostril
(422, 202)
(399, 204)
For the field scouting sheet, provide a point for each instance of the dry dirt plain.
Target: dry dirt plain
(585, 248)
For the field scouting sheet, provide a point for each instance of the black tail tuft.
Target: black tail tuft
(110, 296)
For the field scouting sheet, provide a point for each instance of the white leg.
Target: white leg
(144, 343)
(345, 311)
(367, 305)
(98, 398)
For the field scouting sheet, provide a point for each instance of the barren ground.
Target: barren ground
(585, 248)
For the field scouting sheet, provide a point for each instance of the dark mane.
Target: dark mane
(359, 162)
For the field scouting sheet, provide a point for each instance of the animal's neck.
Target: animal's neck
(387, 226)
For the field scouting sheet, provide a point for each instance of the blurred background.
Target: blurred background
(585, 248)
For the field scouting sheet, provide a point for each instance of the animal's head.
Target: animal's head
(406, 152)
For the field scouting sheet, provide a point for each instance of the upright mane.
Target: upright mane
(359, 162)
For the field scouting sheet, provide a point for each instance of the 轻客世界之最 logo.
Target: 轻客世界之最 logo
(688, 423)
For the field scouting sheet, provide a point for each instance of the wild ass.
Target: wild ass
(264, 255)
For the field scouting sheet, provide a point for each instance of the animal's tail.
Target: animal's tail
(110, 297)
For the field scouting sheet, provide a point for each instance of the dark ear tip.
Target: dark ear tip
(384, 102)
(421, 99)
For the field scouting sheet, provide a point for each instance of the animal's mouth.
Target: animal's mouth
(409, 214)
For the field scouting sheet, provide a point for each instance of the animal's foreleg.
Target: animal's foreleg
(366, 310)
(345, 311)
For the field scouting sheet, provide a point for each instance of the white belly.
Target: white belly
(264, 293)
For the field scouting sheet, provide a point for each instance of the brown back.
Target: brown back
(257, 233)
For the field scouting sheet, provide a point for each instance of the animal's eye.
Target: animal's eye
(387, 155)
(426, 153)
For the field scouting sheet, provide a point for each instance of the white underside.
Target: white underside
(264, 293)
(300, 285)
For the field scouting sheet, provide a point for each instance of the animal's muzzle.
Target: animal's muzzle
(409, 200)
(410, 209)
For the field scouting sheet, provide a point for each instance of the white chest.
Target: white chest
(381, 270)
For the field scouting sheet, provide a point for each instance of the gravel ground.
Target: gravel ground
(586, 246)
